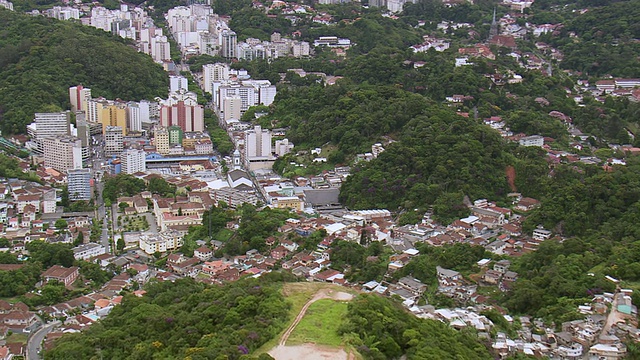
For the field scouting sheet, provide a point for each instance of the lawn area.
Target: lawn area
(223, 235)
(17, 338)
(320, 324)
(297, 295)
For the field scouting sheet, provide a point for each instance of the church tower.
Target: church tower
(237, 164)
(494, 26)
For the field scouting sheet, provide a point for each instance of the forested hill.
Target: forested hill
(40, 58)
(440, 157)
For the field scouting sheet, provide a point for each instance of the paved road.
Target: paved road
(35, 340)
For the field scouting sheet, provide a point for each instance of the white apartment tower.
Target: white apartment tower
(113, 140)
(176, 83)
(79, 184)
(62, 152)
(78, 96)
(214, 73)
(133, 161)
(257, 143)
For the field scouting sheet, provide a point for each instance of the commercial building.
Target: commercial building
(133, 161)
(113, 140)
(79, 184)
(52, 124)
(62, 152)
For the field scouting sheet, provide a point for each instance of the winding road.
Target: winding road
(35, 340)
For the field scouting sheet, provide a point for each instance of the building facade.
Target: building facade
(62, 153)
(79, 184)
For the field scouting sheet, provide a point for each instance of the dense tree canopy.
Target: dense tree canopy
(40, 58)
(184, 319)
(382, 329)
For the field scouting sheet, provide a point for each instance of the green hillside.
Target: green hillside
(40, 58)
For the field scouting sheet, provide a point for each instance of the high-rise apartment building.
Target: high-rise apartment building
(133, 161)
(138, 113)
(212, 73)
(188, 117)
(177, 83)
(257, 143)
(79, 184)
(113, 114)
(62, 152)
(113, 140)
(79, 96)
(229, 44)
(232, 108)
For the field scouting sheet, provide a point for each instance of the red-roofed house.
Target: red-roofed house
(64, 275)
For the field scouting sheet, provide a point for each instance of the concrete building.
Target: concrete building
(165, 241)
(137, 114)
(232, 108)
(79, 184)
(229, 41)
(257, 143)
(133, 161)
(88, 251)
(533, 140)
(211, 73)
(62, 152)
(52, 124)
(78, 97)
(283, 147)
(113, 140)
(177, 83)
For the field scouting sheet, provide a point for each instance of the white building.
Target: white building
(138, 113)
(177, 83)
(214, 73)
(62, 152)
(533, 140)
(79, 184)
(6, 4)
(88, 251)
(52, 124)
(165, 241)
(283, 147)
(133, 161)
(257, 143)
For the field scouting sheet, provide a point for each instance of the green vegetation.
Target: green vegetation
(40, 58)
(122, 185)
(320, 324)
(42, 256)
(381, 329)
(9, 166)
(184, 319)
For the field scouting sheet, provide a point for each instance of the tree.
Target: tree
(61, 224)
(120, 244)
(79, 239)
(122, 206)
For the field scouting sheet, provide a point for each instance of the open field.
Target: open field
(320, 324)
(299, 295)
